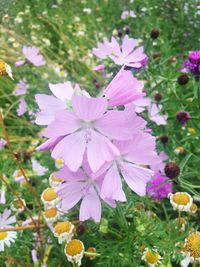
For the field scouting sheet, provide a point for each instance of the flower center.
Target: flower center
(193, 208)
(56, 179)
(59, 161)
(3, 235)
(62, 227)
(18, 204)
(19, 173)
(50, 213)
(181, 199)
(193, 244)
(49, 194)
(151, 257)
(74, 247)
(3, 71)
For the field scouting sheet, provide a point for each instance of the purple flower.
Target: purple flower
(128, 13)
(192, 64)
(124, 54)
(38, 168)
(21, 88)
(123, 89)
(135, 155)
(88, 128)
(32, 57)
(22, 107)
(183, 117)
(159, 187)
(154, 114)
(5, 219)
(2, 143)
(81, 185)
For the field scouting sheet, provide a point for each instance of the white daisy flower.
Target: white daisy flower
(181, 201)
(5, 69)
(74, 250)
(49, 197)
(151, 257)
(64, 231)
(54, 181)
(6, 238)
(51, 215)
(6, 219)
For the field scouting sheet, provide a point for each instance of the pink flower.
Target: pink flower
(88, 128)
(154, 114)
(5, 219)
(2, 143)
(100, 67)
(135, 157)
(126, 54)
(80, 185)
(141, 103)
(22, 107)
(21, 88)
(159, 167)
(159, 186)
(3, 195)
(123, 89)
(126, 14)
(32, 57)
(38, 168)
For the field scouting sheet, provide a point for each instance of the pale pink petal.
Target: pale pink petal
(137, 55)
(65, 122)
(136, 177)
(67, 175)
(99, 151)
(71, 149)
(44, 117)
(90, 207)
(49, 144)
(128, 45)
(62, 91)
(22, 108)
(89, 108)
(49, 103)
(112, 185)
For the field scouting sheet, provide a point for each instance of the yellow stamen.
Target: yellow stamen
(3, 235)
(181, 199)
(152, 257)
(59, 161)
(55, 179)
(62, 227)
(50, 213)
(74, 247)
(192, 244)
(49, 194)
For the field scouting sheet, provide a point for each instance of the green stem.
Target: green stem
(121, 216)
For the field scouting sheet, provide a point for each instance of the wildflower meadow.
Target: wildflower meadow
(100, 133)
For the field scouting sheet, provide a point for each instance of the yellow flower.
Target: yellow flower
(64, 231)
(6, 238)
(193, 208)
(192, 247)
(49, 197)
(151, 257)
(51, 215)
(5, 69)
(181, 201)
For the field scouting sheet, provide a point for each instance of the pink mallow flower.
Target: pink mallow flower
(124, 54)
(154, 114)
(128, 13)
(21, 88)
(6, 219)
(22, 108)
(32, 56)
(123, 89)
(132, 163)
(38, 168)
(81, 185)
(88, 128)
(159, 187)
(2, 143)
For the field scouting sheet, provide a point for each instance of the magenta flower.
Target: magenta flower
(154, 114)
(123, 89)
(21, 88)
(159, 186)
(192, 64)
(32, 57)
(22, 107)
(126, 54)
(81, 185)
(38, 168)
(135, 156)
(128, 13)
(88, 128)
(49, 105)
(2, 143)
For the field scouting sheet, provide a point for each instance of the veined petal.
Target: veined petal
(128, 45)
(49, 144)
(62, 91)
(49, 103)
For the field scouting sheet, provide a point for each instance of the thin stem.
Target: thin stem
(92, 254)
(121, 215)
(23, 227)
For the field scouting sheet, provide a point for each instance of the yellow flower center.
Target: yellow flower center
(49, 194)
(3, 71)
(192, 244)
(50, 213)
(193, 208)
(3, 235)
(151, 257)
(55, 179)
(191, 130)
(181, 199)
(18, 204)
(181, 221)
(74, 247)
(62, 227)
(19, 173)
(59, 161)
